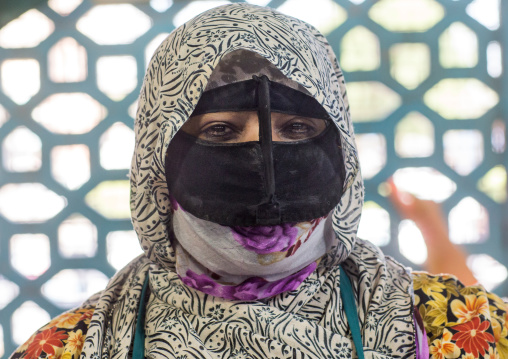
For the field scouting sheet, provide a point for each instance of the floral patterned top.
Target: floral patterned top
(63, 337)
(461, 322)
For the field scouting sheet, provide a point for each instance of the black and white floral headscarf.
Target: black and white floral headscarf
(308, 322)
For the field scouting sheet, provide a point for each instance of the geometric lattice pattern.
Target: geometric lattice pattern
(424, 82)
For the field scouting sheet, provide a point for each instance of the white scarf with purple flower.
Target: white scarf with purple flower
(247, 263)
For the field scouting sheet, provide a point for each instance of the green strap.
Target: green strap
(348, 298)
(138, 351)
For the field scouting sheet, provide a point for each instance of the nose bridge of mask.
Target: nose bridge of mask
(269, 210)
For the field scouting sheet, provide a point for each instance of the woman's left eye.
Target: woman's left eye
(298, 130)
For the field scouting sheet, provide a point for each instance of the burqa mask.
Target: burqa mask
(263, 182)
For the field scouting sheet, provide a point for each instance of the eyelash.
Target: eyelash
(293, 129)
(210, 132)
(303, 129)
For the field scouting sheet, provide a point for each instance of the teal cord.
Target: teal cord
(348, 298)
(138, 352)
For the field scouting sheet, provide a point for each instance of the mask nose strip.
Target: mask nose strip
(268, 212)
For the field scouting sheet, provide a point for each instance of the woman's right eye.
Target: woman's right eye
(219, 132)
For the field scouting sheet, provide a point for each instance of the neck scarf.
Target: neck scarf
(307, 322)
(247, 263)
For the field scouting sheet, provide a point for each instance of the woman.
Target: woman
(247, 213)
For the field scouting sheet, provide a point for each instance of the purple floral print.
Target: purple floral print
(174, 204)
(251, 289)
(266, 239)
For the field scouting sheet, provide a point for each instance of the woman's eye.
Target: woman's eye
(298, 131)
(217, 133)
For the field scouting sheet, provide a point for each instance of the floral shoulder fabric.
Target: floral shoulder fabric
(461, 322)
(63, 337)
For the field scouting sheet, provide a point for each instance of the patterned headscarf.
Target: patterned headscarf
(308, 322)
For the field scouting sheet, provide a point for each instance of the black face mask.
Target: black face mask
(257, 183)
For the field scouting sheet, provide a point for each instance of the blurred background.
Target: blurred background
(425, 84)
